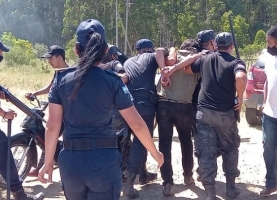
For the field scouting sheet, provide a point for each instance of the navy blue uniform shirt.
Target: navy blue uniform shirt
(218, 88)
(141, 70)
(88, 114)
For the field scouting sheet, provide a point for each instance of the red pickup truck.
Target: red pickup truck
(253, 95)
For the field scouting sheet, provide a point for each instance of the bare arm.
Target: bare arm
(265, 90)
(171, 59)
(265, 94)
(141, 130)
(159, 55)
(240, 78)
(44, 90)
(53, 127)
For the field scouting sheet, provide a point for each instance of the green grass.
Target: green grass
(22, 79)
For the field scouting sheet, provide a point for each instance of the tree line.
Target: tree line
(165, 22)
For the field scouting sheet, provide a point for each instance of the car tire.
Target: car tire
(253, 116)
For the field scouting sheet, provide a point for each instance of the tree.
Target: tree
(260, 38)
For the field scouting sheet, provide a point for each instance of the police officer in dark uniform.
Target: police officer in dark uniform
(112, 63)
(222, 77)
(206, 39)
(84, 100)
(141, 70)
(16, 184)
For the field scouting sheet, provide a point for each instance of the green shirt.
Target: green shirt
(182, 85)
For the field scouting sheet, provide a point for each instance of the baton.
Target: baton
(9, 160)
(233, 34)
(237, 113)
(15, 101)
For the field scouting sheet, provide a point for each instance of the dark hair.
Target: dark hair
(188, 43)
(272, 32)
(89, 55)
(63, 56)
(223, 47)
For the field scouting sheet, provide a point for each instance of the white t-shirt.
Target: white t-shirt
(270, 70)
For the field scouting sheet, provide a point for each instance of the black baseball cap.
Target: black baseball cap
(4, 47)
(144, 44)
(54, 50)
(86, 28)
(224, 39)
(206, 36)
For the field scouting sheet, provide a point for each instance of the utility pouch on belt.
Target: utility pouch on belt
(153, 96)
(237, 113)
(121, 135)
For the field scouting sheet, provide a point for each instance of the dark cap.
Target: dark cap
(113, 50)
(224, 39)
(144, 44)
(54, 50)
(86, 28)
(206, 36)
(4, 47)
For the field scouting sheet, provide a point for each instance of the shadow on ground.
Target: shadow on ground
(154, 191)
(53, 190)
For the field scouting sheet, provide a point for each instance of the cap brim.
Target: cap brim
(46, 55)
(5, 48)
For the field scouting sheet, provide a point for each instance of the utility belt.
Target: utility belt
(91, 144)
(151, 95)
(172, 100)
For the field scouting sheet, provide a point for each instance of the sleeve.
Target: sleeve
(53, 96)
(239, 66)
(118, 67)
(123, 99)
(196, 66)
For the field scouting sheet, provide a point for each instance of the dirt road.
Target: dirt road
(250, 182)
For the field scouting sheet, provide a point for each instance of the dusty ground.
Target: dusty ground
(250, 182)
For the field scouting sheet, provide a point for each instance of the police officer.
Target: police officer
(111, 62)
(56, 58)
(174, 107)
(83, 100)
(141, 70)
(222, 77)
(16, 184)
(206, 39)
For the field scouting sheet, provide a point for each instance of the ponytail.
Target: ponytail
(90, 55)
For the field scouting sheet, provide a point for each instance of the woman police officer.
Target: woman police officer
(83, 99)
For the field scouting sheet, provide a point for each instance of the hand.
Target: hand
(239, 104)
(10, 114)
(46, 169)
(166, 81)
(261, 108)
(168, 71)
(30, 96)
(159, 157)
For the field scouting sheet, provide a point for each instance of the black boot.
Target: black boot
(231, 190)
(21, 195)
(145, 176)
(210, 192)
(129, 191)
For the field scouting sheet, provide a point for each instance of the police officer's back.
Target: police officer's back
(222, 77)
(84, 99)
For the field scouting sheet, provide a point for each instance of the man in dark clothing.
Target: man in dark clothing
(223, 76)
(141, 71)
(110, 62)
(174, 107)
(16, 184)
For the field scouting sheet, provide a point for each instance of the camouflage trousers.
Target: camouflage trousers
(217, 134)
